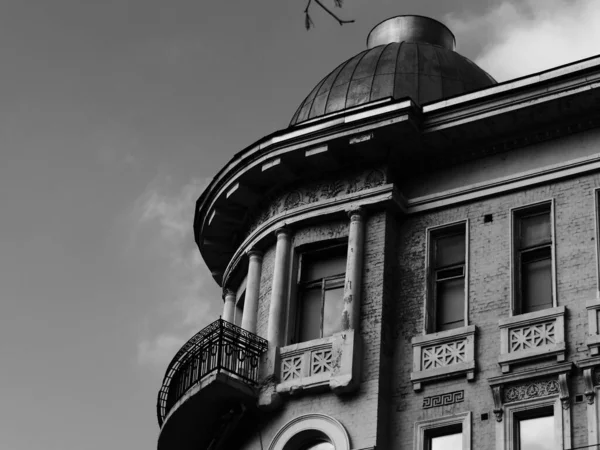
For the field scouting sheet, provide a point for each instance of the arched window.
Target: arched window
(311, 432)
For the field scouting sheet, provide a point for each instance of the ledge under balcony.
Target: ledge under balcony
(211, 381)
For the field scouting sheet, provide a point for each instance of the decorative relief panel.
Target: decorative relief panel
(291, 368)
(443, 399)
(307, 362)
(444, 355)
(331, 362)
(533, 389)
(532, 336)
(439, 355)
(321, 361)
(308, 193)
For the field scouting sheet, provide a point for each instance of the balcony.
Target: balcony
(211, 380)
(531, 336)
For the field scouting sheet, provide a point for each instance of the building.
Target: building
(411, 264)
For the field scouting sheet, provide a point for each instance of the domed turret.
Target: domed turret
(406, 57)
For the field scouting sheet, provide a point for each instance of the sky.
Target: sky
(114, 116)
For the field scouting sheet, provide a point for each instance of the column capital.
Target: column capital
(356, 213)
(285, 231)
(255, 253)
(228, 292)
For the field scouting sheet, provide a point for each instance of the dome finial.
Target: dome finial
(411, 29)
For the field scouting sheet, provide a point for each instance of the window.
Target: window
(447, 438)
(447, 273)
(311, 432)
(535, 424)
(532, 429)
(444, 433)
(532, 228)
(320, 293)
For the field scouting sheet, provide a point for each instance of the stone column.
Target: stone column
(354, 264)
(229, 306)
(280, 287)
(252, 290)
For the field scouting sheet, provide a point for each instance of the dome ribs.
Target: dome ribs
(336, 99)
(317, 107)
(359, 90)
(383, 81)
(406, 81)
(420, 71)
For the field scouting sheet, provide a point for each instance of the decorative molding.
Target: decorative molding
(443, 399)
(311, 426)
(532, 336)
(529, 390)
(590, 392)
(443, 354)
(531, 385)
(313, 192)
(497, 397)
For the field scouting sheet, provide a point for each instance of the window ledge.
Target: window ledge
(532, 336)
(444, 354)
(320, 364)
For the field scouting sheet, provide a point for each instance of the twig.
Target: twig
(308, 22)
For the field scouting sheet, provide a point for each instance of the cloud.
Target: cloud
(528, 36)
(163, 221)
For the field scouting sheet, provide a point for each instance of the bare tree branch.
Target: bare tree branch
(308, 21)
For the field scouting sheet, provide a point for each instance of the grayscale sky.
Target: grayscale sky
(113, 117)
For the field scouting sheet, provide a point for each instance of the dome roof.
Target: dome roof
(408, 56)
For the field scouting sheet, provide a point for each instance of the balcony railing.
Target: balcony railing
(220, 347)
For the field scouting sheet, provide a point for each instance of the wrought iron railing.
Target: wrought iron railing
(220, 347)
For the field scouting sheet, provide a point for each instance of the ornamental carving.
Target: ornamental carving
(443, 399)
(312, 192)
(292, 200)
(443, 355)
(321, 362)
(291, 368)
(532, 336)
(534, 389)
(308, 362)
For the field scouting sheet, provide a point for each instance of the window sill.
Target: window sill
(321, 364)
(441, 355)
(532, 336)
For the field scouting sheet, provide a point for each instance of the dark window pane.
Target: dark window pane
(447, 442)
(537, 434)
(450, 304)
(319, 446)
(450, 250)
(310, 315)
(537, 285)
(535, 230)
(332, 316)
(324, 264)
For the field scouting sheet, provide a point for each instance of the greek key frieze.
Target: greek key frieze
(443, 399)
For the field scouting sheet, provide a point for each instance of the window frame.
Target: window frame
(424, 429)
(515, 252)
(506, 431)
(431, 302)
(299, 286)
